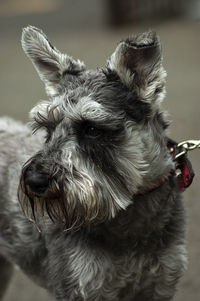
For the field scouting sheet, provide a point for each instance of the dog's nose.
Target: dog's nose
(37, 182)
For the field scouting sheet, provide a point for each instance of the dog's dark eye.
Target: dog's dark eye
(92, 132)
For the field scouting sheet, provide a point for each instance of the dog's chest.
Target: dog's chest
(99, 275)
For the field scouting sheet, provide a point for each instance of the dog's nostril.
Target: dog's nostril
(37, 182)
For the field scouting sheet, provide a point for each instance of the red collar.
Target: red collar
(183, 168)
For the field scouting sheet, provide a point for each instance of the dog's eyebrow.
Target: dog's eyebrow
(88, 109)
(45, 115)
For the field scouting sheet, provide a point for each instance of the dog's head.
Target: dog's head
(105, 131)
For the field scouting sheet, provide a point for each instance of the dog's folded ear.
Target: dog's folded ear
(49, 62)
(138, 63)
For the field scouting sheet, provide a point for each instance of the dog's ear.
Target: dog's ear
(138, 63)
(48, 61)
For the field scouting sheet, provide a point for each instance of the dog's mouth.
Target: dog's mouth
(46, 194)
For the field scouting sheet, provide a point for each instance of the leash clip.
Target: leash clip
(186, 146)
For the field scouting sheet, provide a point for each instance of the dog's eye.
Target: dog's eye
(92, 132)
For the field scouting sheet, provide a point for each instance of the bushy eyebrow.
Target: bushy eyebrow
(47, 118)
(86, 109)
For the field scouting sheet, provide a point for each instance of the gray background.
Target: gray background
(82, 29)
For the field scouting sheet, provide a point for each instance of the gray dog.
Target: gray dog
(96, 181)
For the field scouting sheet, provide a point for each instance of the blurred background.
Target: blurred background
(90, 30)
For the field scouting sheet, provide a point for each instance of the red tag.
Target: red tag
(187, 174)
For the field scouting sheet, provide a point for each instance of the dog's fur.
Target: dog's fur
(98, 227)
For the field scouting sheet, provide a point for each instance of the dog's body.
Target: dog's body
(99, 186)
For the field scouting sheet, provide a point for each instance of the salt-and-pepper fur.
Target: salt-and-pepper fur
(93, 231)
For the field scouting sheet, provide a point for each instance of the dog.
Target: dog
(90, 208)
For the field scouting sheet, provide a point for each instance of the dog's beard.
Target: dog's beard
(74, 201)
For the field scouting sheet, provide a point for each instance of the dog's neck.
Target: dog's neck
(158, 184)
(139, 222)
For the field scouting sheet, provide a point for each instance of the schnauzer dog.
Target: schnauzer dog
(105, 216)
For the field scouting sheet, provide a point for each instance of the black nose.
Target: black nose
(37, 182)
